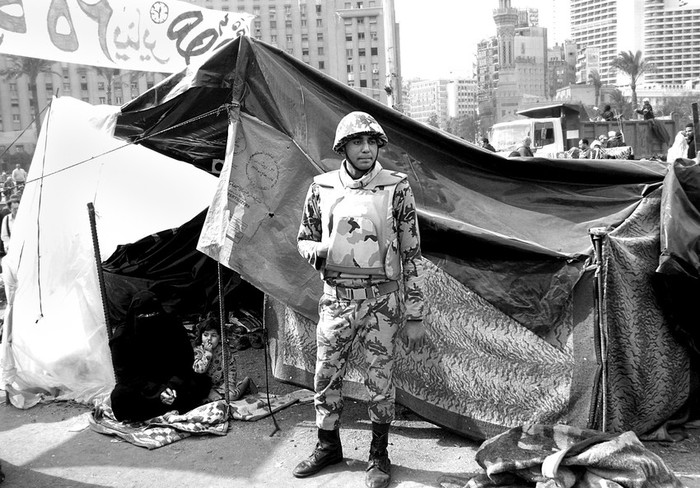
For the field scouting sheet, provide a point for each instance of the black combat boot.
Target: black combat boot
(379, 467)
(328, 451)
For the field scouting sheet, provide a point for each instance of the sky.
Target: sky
(440, 41)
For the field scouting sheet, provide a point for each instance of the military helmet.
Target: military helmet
(357, 124)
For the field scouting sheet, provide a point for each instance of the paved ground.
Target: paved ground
(50, 446)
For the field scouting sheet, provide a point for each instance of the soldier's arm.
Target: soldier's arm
(309, 235)
(409, 248)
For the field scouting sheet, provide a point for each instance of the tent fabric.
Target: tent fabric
(54, 339)
(510, 284)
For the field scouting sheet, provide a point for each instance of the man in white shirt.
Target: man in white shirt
(7, 223)
(19, 175)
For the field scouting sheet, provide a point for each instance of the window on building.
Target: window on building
(304, 38)
(273, 39)
(118, 100)
(101, 85)
(373, 36)
(149, 85)
(349, 68)
(305, 51)
(363, 68)
(13, 87)
(103, 100)
(374, 51)
(83, 85)
(273, 24)
(361, 52)
(360, 20)
(66, 87)
(319, 22)
(363, 83)
(359, 4)
(303, 22)
(49, 87)
(318, 9)
(287, 9)
(288, 24)
(319, 36)
(289, 38)
(321, 65)
(302, 9)
(348, 37)
(320, 50)
(256, 11)
(348, 53)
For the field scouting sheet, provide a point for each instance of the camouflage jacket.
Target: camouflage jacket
(406, 226)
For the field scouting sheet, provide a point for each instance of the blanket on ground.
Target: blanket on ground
(211, 418)
(560, 456)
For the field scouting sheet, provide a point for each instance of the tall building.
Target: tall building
(355, 42)
(427, 100)
(603, 28)
(561, 67)
(671, 39)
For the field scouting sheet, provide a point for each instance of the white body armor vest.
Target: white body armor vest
(359, 226)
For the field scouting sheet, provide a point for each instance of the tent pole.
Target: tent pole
(98, 262)
(597, 234)
(225, 351)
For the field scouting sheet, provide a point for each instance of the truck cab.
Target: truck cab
(545, 133)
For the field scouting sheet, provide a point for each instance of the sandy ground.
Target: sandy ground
(50, 445)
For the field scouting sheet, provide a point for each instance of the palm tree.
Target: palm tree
(108, 74)
(621, 104)
(18, 66)
(633, 66)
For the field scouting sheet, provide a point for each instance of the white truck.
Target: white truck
(556, 129)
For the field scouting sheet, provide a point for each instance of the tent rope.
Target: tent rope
(23, 131)
(225, 351)
(126, 144)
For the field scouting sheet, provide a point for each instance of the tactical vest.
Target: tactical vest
(358, 225)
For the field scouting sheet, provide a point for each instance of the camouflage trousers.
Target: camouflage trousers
(371, 323)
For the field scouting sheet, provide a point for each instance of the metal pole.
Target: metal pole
(696, 129)
(597, 234)
(98, 262)
(224, 336)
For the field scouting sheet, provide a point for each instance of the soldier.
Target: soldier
(359, 229)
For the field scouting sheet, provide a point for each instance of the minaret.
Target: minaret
(505, 18)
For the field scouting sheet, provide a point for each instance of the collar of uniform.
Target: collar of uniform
(349, 182)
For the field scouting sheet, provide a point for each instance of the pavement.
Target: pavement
(51, 445)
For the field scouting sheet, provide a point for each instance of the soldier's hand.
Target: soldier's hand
(413, 335)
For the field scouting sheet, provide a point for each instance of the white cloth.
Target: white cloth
(679, 149)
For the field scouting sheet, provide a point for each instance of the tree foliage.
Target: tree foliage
(594, 79)
(19, 66)
(634, 66)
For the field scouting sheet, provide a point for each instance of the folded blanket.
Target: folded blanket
(559, 456)
(211, 418)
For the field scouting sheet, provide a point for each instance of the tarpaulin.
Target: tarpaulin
(513, 230)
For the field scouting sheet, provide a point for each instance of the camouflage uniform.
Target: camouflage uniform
(375, 320)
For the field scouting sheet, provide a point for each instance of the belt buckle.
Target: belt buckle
(359, 293)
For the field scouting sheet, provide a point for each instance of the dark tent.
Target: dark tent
(526, 322)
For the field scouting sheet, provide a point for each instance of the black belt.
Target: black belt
(343, 293)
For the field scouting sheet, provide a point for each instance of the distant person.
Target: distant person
(607, 113)
(603, 139)
(486, 145)
(690, 138)
(152, 357)
(584, 149)
(8, 187)
(8, 222)
(646, 110)
(19, 175)
(524, 148)
(596, 151)
(615, 139)
(679, 149)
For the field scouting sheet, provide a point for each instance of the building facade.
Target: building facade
(671, 41)
(355, 42)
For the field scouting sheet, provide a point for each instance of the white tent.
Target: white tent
(55, 339)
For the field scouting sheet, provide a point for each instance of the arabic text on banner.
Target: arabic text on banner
(161, 36)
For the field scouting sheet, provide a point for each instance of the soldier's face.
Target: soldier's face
(361, 152)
